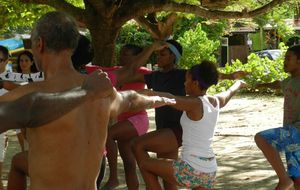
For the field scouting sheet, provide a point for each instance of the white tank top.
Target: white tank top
(197, 138)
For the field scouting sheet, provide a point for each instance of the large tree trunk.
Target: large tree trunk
(104, 34)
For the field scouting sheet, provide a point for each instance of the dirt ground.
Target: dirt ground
(241, 164)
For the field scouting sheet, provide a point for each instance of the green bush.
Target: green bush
(197, 47)
(131, 33)
(262, 70)
(214, 29)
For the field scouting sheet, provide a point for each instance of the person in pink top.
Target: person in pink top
(129, 124)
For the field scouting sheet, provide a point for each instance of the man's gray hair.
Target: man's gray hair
(58, 30)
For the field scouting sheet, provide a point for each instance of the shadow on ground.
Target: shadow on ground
(241, 165)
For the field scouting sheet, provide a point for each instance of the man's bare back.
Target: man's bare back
(73, 140)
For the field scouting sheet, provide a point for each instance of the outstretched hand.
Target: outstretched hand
(163, 101)
(242, 84)
(97, 84)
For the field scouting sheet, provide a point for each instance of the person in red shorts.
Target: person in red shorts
(128, 126)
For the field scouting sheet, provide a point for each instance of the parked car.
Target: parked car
(272, 54)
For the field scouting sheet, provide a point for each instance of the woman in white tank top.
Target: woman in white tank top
(197, 166)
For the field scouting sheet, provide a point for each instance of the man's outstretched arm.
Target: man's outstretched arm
(36, 109)
(132, 101)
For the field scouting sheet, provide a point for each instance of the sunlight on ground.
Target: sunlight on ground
(241, 165)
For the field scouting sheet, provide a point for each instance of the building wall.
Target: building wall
(240, 52)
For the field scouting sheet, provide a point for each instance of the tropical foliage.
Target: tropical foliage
(261, 70)
(197, 47)
(104, 19)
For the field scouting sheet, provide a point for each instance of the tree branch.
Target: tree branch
(148, 6)
(158, 30)
(215, 4)
(149, 26)
(61, 5)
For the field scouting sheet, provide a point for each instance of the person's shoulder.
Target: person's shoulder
(213, 100)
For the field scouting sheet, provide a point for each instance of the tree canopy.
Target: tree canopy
(104, 18)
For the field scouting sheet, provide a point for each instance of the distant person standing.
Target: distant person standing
(129, 125)
(27, 72)
(26, 66)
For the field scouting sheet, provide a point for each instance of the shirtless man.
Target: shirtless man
(65, 154)
(35, 109)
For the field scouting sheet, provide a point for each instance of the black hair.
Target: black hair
(58, 30)
(33, 68)
(134, 48)
(176, 44)
(83, 54)
(295, 49)
(5, 52)
(206, 73)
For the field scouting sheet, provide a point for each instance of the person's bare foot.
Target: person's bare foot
(110, 185)
(284, 184)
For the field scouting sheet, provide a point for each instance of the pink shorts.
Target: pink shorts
(140, 122)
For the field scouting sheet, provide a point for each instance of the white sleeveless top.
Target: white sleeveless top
(197, 138)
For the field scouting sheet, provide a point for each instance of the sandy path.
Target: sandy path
(241, 164)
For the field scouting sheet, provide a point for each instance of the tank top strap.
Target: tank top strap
(206, 101)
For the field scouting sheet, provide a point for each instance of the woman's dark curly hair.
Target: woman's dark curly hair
(206, 73)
